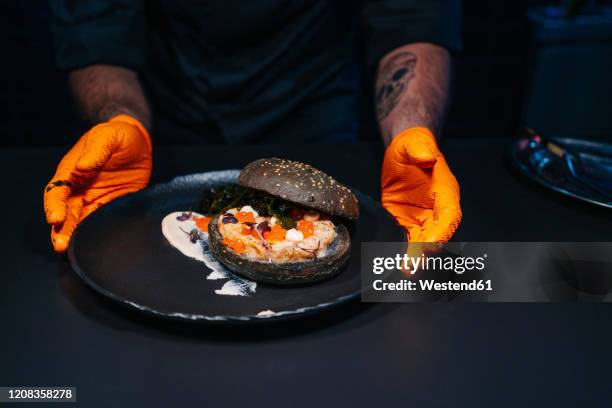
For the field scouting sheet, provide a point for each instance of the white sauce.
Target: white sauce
(266, 313)
(171, 228)
(294, 235)
(237, 287)
(216, 275)
(176, 232)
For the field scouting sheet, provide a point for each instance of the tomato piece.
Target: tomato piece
(202, 223)
(236, 244)
(306, 227)
(276, 233)
(247, 230)
(245, 216)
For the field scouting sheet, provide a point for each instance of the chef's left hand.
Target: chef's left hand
(418, 187)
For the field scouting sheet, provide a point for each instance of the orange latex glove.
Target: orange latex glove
(418, 188)
(109, 161)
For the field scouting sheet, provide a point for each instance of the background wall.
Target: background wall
(491, 71)
(491, 75)
(35, 107)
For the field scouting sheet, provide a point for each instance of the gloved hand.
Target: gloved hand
(418, 188)
(110, 160)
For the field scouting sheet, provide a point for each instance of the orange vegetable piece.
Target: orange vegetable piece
(246, 230)
(306, 227)
(236, 244)
(277, 233)
(202, 223)
(245, 216)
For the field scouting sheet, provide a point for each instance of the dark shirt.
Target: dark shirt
(244, 71)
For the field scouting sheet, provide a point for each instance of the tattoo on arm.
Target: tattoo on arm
(409, 94)
(393, 79)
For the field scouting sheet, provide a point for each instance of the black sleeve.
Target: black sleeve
(98, 32)
(389, 24)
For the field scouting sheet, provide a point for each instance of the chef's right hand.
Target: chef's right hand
(110, 160)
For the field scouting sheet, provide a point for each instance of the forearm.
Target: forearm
(412, 89)
(104, 91)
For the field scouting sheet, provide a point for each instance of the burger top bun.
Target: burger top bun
(302, 184)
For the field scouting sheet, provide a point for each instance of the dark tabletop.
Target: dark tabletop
(56, 332)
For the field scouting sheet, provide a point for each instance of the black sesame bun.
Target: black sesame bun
(302, 184)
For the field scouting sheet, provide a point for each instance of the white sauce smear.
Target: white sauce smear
(266, 313)
(176, 232)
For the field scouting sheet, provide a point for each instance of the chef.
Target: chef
(234, 72)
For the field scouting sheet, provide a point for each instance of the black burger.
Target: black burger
(283, 224)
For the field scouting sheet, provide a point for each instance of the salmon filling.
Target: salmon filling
(264, 238)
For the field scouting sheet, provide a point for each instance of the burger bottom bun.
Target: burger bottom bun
(286, 273)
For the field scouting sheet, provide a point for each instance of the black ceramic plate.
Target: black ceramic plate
(121, 253)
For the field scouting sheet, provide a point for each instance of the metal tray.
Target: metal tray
(550, 171)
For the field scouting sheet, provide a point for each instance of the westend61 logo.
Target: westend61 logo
(413, 264)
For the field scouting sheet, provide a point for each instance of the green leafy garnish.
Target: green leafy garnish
(217, 201)
(281, 209)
